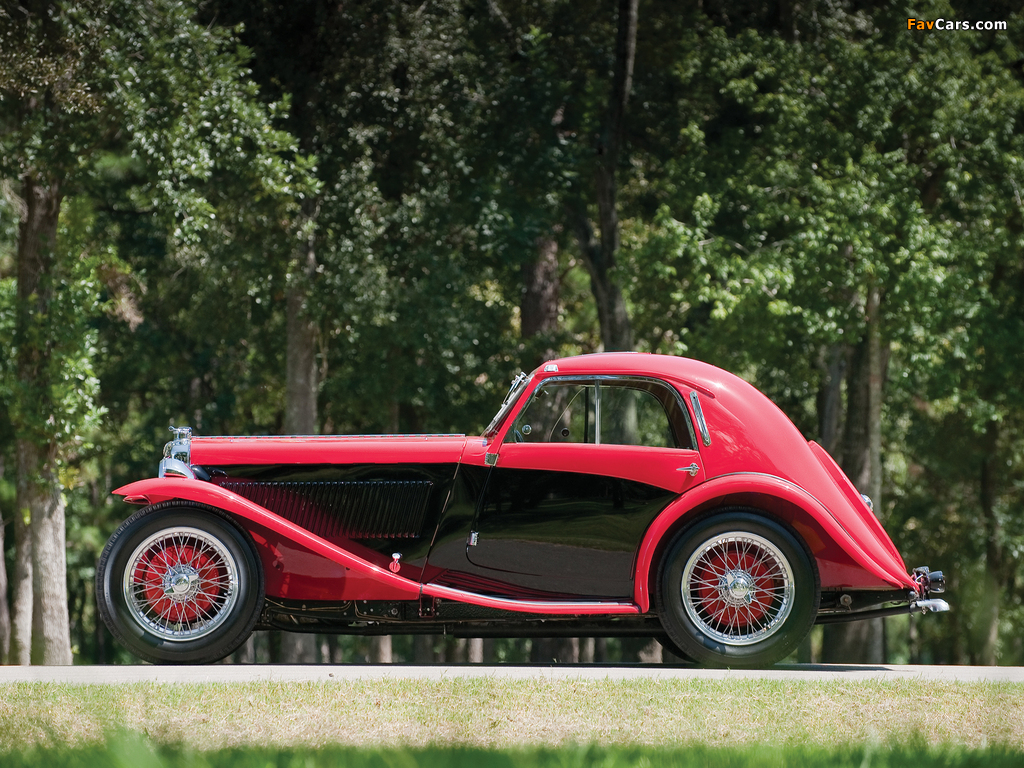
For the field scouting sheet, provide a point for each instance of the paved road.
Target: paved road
(327, 672)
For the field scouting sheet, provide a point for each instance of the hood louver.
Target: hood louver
(364, 509)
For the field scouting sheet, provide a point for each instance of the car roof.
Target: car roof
(694, 372)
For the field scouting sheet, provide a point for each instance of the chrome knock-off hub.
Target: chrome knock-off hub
(181, 583)
(737, 588)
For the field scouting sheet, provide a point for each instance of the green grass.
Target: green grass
(510, 714)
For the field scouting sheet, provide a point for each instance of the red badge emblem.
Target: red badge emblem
(393, 565)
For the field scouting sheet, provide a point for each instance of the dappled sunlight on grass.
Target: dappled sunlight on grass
(510, 713)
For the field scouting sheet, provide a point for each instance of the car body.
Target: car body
(614, 494)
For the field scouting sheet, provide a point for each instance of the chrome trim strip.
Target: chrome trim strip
(423, 435)
(569, 608)
(699, 415)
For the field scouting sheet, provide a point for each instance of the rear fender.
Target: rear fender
(842, 561)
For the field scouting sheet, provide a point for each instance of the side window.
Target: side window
(627, 412)
(560, 412)
(631, 416)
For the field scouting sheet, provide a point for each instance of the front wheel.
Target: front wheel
(179, 584)
(737, 589)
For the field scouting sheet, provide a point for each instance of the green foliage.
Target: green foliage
(128, 749)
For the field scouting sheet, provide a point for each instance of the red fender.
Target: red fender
(155, 490)
(878, 562)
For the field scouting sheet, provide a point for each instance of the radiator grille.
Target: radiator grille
(363, 509)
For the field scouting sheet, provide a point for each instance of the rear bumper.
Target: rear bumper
(856, 605)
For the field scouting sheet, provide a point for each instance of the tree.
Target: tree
(79, 79)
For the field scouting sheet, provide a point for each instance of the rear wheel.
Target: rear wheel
(737, 589)
(179, 584)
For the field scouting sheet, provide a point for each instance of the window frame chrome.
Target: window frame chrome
(624, 378)
(519, 385)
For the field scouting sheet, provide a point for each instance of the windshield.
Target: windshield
(518, 385)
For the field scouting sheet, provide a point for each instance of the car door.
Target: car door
(582, 471)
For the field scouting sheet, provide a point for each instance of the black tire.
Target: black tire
(180, 584)
(737, 589)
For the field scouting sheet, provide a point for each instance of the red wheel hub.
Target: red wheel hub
(735, 586)
(180, 582)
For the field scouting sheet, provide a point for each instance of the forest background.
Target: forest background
(260, 217)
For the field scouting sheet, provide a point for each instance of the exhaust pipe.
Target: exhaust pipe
(933, 605)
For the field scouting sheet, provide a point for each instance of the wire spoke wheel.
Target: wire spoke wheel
(181, 583)
(738, 588)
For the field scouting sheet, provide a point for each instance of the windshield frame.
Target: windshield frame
(519, 385)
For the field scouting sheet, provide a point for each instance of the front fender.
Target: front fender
(155, 490)
(747, 489)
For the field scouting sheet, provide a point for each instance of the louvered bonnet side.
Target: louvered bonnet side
(351, 509)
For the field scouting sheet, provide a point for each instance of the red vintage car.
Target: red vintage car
(615, 494)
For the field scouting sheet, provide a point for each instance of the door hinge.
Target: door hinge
(490, 459)
(474, 537)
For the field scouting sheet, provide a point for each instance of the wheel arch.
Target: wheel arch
(840, 560)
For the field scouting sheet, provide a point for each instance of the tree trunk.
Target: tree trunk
(38, 488)
(854, 453)
(423, 649)
(538, 310)
(298, 648)
(876, 378)
(300, 410)
(5, 614)
(863, 641)
(600, 257)
(301, 378)
(612, 317)
(830, 400)
(21, 589)
(558, 650)
(652, 653)
(51, 632)
(988, 630)
(586, 650)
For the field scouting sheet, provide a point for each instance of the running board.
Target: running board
(559, 608)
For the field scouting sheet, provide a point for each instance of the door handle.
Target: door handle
(693, 469)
